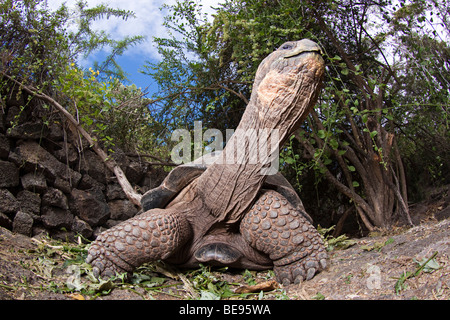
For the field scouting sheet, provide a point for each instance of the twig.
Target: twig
(188, 286)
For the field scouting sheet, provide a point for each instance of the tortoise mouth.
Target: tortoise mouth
(303, 46)
(305, 53)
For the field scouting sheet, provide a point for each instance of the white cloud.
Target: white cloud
(148, 22)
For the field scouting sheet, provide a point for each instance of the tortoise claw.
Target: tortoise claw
(105, 263)
(300, 270)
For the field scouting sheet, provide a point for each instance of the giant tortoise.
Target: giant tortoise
(233, 213)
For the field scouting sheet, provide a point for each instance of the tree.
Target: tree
(39, 56)
(420, 30)
(194, 83)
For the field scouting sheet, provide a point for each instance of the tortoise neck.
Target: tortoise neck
(230, 185)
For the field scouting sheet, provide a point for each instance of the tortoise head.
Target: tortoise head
(287, 84)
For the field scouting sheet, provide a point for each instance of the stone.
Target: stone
(37, 158)
(63, 235)
(23, 223)
(82, 227)
(15, 158)
(94, 166)
(15, 115)
(5, 147)
(2, 121)
(111, 223)
(134, 172)
(5, 221)
(90, 206)
(87, 182)
(66, 156)
(115, 192)
(122, 209)
(9, 174)
(29, 202)
(28, 130)
(56, 218)
(56, 198)
(34, 182)
(8, 203)
(62, 185)
(56, 132)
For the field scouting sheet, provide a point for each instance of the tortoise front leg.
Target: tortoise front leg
(274, 227)
(151, 236)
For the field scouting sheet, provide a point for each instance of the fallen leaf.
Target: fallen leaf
(263, 286)
(76, 296)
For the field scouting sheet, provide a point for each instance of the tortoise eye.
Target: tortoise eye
(286, 46)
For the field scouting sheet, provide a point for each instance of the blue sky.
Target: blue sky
(148, 22)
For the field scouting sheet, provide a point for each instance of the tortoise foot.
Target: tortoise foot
(300, 268)
(105, 262)
(151, 236)
(274, 227)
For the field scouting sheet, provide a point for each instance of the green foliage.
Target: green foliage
(116, 114)
(32, 41)
(334, 243)
(41, 47)
(422, 107)
(38, 43)
(193, 83)
(244, 33)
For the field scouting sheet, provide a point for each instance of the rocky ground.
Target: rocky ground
(406, 263)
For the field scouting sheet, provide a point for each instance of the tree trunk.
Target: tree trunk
(379, 194)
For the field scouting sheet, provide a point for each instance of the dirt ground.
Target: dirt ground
(404, 264)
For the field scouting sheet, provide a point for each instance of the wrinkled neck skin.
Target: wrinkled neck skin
(284, 92)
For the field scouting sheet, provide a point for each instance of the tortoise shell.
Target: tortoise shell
(183, 175)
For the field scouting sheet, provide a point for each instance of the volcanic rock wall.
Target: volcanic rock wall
(51, 181)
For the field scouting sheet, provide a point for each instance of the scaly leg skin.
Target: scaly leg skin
(274, 227)
(151, 236)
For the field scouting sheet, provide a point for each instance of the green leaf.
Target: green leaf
(318, 296)
(365, 117)
(103, 285)
(355, 184)
(321, 134)
(289, 160)
(334, 144)
(351, 168)
(337, 58)
(207, 295)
